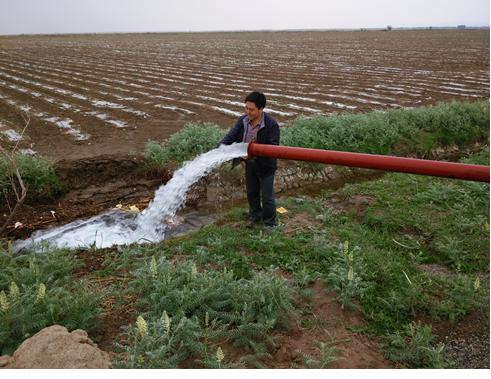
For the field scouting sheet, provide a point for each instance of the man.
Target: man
(257, 125)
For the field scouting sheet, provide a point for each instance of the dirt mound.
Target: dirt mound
(55, 347)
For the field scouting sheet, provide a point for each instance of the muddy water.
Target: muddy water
(117, 227)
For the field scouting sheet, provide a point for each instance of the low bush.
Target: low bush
(192, 140)
(38, 174)
(401, 131)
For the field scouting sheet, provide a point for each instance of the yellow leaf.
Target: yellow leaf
(119, 206)
(134, 208)
(281, 210)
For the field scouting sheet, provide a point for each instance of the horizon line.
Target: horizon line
(430, 27)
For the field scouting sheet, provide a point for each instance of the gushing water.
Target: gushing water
(120, 228)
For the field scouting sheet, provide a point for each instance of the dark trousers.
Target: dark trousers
(260, 195)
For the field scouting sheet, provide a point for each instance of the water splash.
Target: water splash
(121, 228)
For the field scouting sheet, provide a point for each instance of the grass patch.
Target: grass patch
(215, 298)
(407, 225)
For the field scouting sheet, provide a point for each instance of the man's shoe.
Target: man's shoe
(270, 228)
(251, 224)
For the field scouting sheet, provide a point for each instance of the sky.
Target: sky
(106, 16)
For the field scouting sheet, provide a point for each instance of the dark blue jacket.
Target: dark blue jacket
(269, 135)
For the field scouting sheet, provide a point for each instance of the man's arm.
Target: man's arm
(233, 134)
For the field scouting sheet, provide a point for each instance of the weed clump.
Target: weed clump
(345, 275)
(38, 291)
(412, 347)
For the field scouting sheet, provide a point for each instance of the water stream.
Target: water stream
(118, 227)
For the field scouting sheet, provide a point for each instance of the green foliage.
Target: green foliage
(29, 311)
(345, 274)
(217, 305)
(403, 227)
(38, 174)
(446, 220)
(456, 296)
(412, 347)
(403, 131)
(481, 157)
(328, 355)
(37, 291)
(161, 346)
(51, 268)
(192, 140)
(413, 221)
(156, 156)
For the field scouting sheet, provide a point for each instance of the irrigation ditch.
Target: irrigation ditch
(97, 184)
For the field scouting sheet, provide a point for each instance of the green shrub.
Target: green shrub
(26, 310)
(328, 355)
(51, 268)
(38, 175)
(192, 140)
(159, 345)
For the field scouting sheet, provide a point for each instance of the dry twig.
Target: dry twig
(15, 179)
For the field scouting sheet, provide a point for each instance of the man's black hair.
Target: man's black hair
(257, 98)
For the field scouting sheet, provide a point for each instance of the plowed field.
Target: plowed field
(91, 95)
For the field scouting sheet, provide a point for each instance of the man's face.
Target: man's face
(252, 111)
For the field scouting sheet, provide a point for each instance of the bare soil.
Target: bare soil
(331, 325)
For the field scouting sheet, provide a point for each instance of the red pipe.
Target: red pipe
(372, 161)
